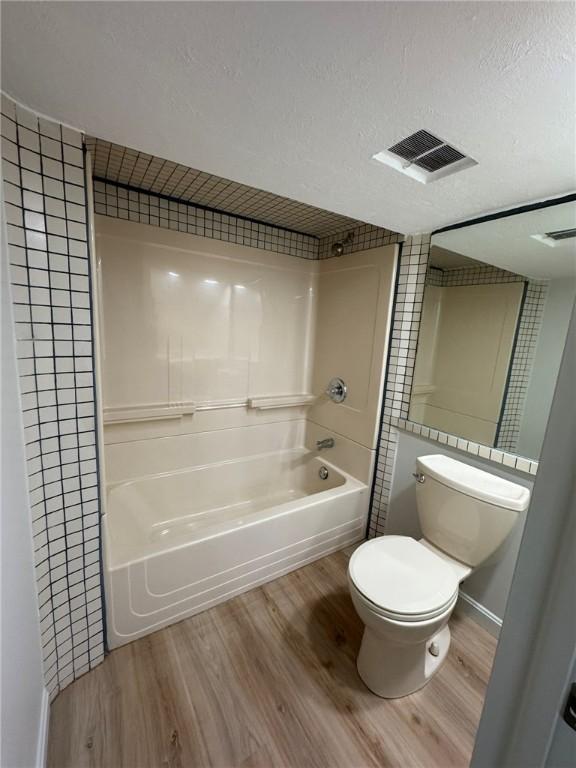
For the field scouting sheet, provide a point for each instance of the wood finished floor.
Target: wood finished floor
(268, 680)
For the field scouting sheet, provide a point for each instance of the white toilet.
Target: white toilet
(405, 590)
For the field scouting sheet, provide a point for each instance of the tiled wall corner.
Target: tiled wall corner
(360, 238)
(521, 368)
(45, 206)
(408, 298)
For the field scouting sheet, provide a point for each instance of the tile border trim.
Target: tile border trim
(496, 455)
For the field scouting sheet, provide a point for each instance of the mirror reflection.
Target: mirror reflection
(495, 314)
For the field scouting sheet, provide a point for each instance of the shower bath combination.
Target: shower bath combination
(212, 434)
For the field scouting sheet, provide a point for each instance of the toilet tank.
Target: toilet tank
(465, 511)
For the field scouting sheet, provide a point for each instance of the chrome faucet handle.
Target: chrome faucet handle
(337, 390)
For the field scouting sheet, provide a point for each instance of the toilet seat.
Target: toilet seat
(402, 580)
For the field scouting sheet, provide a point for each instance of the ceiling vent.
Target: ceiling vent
(424, 157)
(561, 234)
(553, 239)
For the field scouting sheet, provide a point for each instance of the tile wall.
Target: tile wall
(122, 202)
(406, 313)
(148, 208)
(45, 207)
(521, 369)
(360, 238)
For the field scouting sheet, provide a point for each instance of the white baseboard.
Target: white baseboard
(482, 616)
(42, 748)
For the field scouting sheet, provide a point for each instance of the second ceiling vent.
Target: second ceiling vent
(424, 157)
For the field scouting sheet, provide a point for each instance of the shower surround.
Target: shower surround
(215, 360)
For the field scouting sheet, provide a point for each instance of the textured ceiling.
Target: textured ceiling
(113, 162)
(295, 98)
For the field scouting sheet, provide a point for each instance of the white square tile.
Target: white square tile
(523, 465)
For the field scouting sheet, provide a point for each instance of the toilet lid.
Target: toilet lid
(400, 575)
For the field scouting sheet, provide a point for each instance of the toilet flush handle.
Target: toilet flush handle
(420, 478)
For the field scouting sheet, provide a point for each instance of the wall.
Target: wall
(186, 319)
(409, 291)
(490, 584)
(521, 369)
(120, 201)
(522, 360)
(23, 705)
(45, 207)
(195, 332)
(472, 351)
(205, 342)
(546, 362)
(535, 654)
(352, 321)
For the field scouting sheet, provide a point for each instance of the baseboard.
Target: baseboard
(482, 616)
(42, 748)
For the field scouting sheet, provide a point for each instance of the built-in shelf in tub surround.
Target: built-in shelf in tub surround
(280, 401)
(147, 412)
(263, 402)
(160, 411)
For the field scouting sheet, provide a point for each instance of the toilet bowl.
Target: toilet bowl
(405, 590)
(404, 594)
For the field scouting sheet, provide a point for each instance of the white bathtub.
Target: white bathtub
(178, 543)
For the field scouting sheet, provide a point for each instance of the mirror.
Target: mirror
(497, 303)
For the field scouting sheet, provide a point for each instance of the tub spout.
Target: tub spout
(328, 442)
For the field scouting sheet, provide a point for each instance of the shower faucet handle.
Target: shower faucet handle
(337, 390)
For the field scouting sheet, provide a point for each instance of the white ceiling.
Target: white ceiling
(295, 98)
(508, 243)
(445, 259)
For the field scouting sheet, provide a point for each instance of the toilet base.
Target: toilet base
(391, 670)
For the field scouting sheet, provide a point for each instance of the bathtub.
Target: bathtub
(180, 542)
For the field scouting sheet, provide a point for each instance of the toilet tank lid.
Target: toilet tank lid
(475, 482)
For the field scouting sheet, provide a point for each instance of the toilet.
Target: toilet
(405, 590)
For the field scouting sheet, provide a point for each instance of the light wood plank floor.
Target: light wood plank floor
(268, 680)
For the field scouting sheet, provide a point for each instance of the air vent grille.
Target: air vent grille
(424, 157)
(439, 158)
(416, 145)
(561, 234)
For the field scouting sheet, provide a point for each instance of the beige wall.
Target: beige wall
(353, 316)
(186, 319)
(201, 336)
(460, 391)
